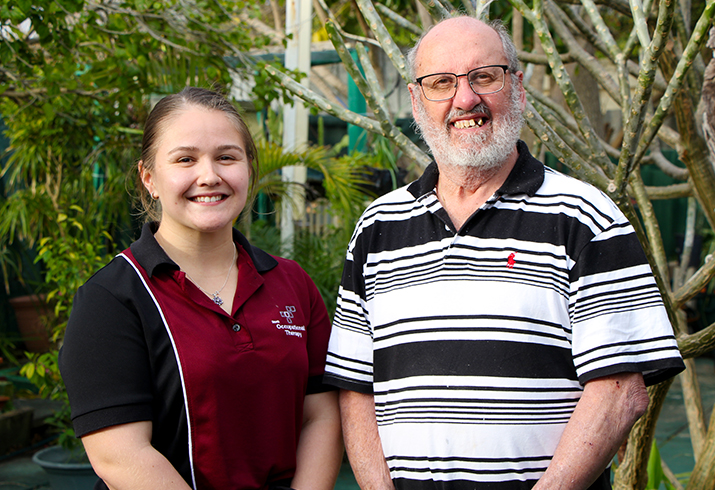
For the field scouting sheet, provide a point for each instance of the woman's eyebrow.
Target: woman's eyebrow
(220, 148)
(183, 148)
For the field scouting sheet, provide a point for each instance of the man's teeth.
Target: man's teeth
(208, 199)
(469, 123)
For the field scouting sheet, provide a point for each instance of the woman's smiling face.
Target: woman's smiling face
(201, 171)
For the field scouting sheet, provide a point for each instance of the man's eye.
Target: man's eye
(482, 78)
(442, 82)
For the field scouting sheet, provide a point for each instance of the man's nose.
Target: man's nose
(465, 98)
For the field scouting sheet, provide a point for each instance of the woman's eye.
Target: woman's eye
(227, 159)
(184, 160)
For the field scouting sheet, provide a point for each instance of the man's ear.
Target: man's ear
(414, 95)
(520, 76)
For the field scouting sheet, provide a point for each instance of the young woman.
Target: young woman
(193, 359)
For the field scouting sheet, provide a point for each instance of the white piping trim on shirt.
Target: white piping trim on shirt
(178, 362)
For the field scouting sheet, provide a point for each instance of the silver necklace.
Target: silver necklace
(215, 296)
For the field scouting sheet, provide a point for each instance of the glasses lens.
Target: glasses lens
(440, 86)
(486, 80)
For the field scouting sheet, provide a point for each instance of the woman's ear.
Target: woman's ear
(146, 178)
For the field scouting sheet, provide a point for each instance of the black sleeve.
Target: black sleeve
(104, 361)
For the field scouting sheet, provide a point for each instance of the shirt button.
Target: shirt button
(236, 327)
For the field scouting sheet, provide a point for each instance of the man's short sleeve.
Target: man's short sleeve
(350, 352)
(618, 318)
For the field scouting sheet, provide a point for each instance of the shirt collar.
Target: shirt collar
(151, 256)
(526, 177)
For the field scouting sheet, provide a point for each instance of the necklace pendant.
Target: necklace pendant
(217, 299)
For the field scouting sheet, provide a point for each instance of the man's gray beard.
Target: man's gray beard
(472, 150)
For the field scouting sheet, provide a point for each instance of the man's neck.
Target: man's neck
(463, 190)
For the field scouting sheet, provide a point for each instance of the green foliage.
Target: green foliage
(7, 347)
(52, 165)
(70, 258)
(266, 91)
(78, 249)
(655, 471)
(115, 52)
(343, 178)
(43, 371)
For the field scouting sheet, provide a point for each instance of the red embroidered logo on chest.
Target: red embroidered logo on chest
(510, 261)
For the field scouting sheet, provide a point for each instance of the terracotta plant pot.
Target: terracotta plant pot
(29, 311)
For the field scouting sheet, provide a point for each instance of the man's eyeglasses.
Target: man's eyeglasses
(483, 81)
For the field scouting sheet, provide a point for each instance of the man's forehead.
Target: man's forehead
(462, 41)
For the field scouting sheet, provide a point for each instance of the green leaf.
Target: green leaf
(28, 370)
(49, 110)
(655, 469)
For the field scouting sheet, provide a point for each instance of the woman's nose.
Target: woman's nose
(208, 173)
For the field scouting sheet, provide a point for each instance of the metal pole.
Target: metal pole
(295, 118)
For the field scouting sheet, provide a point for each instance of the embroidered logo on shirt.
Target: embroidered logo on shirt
(293, 330)
(510, 261)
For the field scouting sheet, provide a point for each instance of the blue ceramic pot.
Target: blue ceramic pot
(63, 472)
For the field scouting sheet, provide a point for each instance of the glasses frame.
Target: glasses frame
(418, 81)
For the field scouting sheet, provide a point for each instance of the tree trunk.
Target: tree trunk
(692, 149)
(632, 473)
(703, 476)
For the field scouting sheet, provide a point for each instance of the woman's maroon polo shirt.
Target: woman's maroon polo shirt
(142, 340)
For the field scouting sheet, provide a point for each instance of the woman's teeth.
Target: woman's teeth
(207, 199)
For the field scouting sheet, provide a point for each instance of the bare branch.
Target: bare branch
(696, 282)
(698, 343)
(398, 19)
(666, 101)
(674, 191)
(664, 164)
(542, 59)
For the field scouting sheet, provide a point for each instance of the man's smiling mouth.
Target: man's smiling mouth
(470, 123)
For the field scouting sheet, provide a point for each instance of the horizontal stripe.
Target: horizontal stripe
(471, 358)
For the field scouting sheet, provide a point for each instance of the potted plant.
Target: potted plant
(31, 312)
(66, 463)
(68, 261)
(19, 278)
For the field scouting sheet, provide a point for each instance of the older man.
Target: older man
(497, 321)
